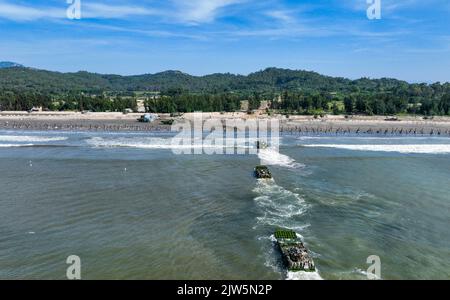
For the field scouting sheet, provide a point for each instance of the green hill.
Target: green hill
(303, 92)
(269, 80)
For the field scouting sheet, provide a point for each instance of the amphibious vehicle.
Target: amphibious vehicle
(261, 145)
(295, 255)
(262, 172)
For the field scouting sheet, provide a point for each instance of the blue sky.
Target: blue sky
(334, 37)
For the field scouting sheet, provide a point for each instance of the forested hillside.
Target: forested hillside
(296, 91)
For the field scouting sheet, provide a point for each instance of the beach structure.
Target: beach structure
(140, 105)
(35, 109)
(148, 118)
(262, 172)
(295, 255)
(244, 105)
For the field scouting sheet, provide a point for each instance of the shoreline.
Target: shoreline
(118, 122)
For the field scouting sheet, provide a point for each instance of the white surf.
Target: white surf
(26, 139)
(406, 149)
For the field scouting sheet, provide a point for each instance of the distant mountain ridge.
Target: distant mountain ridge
(9, 64)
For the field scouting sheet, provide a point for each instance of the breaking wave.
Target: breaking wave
(26, 139)
(15, 145)
(144, 143)
(156, 143)
(418, 148)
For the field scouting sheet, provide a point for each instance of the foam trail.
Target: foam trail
(303, 276)
(278, 204)
(273, 157)
(22, 138)
(365, 274)
(407, 149)
(280, 208)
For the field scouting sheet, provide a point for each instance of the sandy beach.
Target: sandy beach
(292, 124)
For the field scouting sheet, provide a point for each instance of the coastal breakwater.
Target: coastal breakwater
(419, 128)
(83, 125)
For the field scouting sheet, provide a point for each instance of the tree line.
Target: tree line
(24, 101)
(178, 100)
(386, 103)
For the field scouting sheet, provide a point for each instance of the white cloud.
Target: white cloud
(281, 15)
(28, 13)
(201, 11)
(193, 11)
(17, 12)
(107, 11)
(150, 33)
(391, 6)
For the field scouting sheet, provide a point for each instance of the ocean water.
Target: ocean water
(132, 209)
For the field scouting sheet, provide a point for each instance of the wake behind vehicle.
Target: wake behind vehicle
(295, 255)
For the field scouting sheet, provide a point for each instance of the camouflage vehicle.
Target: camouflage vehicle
(295, 255)
(262, 172)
